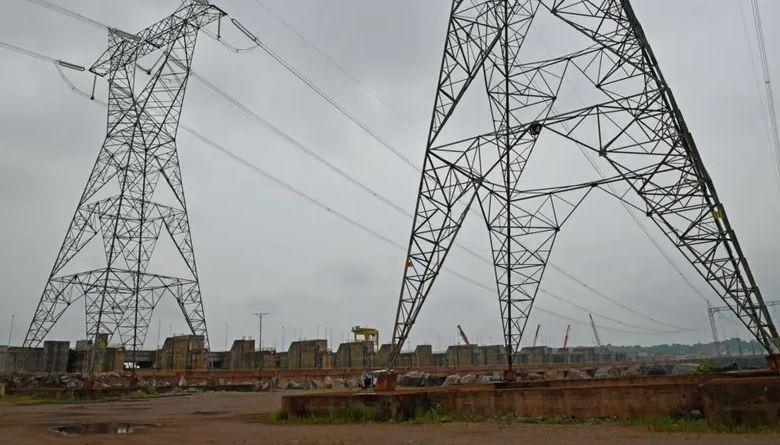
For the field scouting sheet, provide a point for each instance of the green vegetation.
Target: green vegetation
(704, 368)
(732, 345)
(19, 399)
(675, 422)
(670, 424)
(350, 414)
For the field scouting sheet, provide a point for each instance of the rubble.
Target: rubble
(576, 374)
(605, 373)
(468, 379)
(453, 379)
(683, 369)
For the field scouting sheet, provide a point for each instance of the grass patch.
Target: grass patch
(350, 414)
(670, 424)
(673, 423)
(24, 399)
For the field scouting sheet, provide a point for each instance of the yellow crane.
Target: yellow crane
(368, 334)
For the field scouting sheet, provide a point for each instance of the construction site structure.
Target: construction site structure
(566, 337)
(596, 337)
(711, 311)
(536, 335)
(368, 334)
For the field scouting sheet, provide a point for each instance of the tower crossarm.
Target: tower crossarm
(134, 46)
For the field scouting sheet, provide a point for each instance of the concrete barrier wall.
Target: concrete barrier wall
(748, 399)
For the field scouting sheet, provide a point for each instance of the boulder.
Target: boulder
(453, 379)
(327, 382)
(653, 370)
(552, 374)
(294, 385)
(433, 380)
(632, 371)
(576, 374)
(353, 383)
(412, 379)
(534, 376)
(605, 373)
(339, 383)
(485, 379)
(182, 381)
(282, 383)
(468, 379)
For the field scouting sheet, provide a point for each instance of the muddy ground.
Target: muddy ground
(232, 418)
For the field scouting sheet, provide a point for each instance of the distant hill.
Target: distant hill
(732, 346)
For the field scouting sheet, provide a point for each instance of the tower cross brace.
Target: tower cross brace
(637, 129)
(117, 207)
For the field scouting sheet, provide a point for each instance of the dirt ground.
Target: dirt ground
(231, 418)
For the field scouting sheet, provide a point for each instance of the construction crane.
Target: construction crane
(368, 334)
(536, 335)
(711, 311)
(595, 332)
(463, 335)
(566, 337)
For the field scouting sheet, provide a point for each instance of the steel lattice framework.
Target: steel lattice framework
(637, 129)
(138, 155)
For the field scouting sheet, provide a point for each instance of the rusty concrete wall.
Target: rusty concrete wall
(746, 398)
(755, 402)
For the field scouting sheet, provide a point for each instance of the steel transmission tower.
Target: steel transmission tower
(636, 128)
(117, 207)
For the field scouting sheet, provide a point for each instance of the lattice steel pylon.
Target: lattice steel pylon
(139, 155)
(637, 128)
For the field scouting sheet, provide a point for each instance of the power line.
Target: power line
(594, 165)
(757, 84)
(254, 116)
(340, 108)
(614, 320)
(295, 143)
(336, 65)
(70, 13)
(297, 191)
(770, 96)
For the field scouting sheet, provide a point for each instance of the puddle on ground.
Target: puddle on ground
(101, 428)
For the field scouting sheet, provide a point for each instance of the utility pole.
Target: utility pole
(11, 331)
(226, 336)
(260, 316)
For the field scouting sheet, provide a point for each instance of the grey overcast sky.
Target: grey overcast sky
(261, 248)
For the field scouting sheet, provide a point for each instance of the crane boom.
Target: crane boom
(536, 336)
(463, 335)
(595, 332)
(566, 337)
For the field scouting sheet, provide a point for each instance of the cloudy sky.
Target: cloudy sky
(261, 248)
